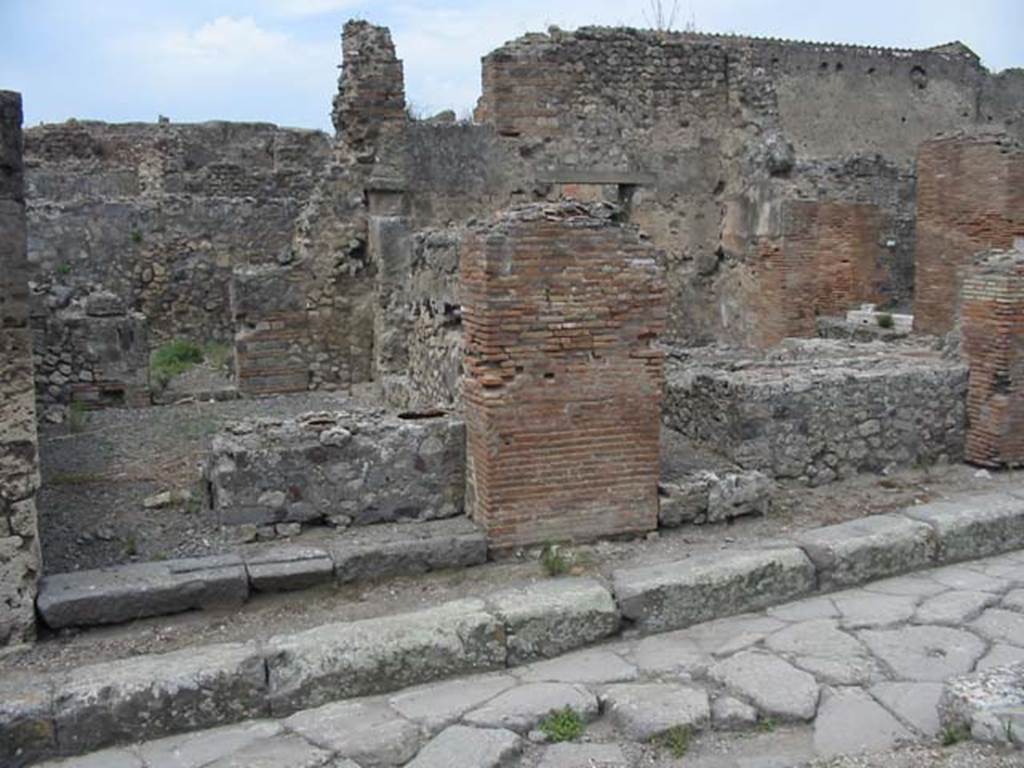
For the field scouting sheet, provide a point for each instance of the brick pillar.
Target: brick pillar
(562, 307)
(371, 90)
(970, 198)
(19, 473)
(992, 313)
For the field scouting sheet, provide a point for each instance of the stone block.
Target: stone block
(379, 655)
(282, 569)
(462, 747)
(644, 711)
(523, 708)
(553, 617)
(126, 592)
(27, 730)
(989, 704)
(978, 526)
(677, 594)
(385, 551)
(150, 696)
(867, 549)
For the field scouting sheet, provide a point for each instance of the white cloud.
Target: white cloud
(309, 7)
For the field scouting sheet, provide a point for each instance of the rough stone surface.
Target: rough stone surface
(870, 548)
(584, 756)
(372, 735)
(926, 654)
(194, 750)
(824, 650)
(461, 747)
(590, 666)
(776, 688)
(645, 710)
(675, 595)
(989, 703)
(439, 705)
(27, 730)
(381, 655)
(286, 568)
(954, 608)
(728, 713)
(522, 709)
(711, 497)
(850, 721)
(978, 526)
(916, 704)
(553, 617)
(126, 592)
(283, 751)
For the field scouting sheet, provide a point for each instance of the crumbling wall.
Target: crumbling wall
(562, 307)
(355, 467)
(817, 410)
(970, 197)
(992, 317)
(19, 473)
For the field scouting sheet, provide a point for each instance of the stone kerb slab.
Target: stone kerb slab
(976, 526)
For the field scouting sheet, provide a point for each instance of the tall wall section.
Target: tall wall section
(19, 473)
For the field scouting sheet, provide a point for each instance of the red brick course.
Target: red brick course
(970, 198)
(992, 313)
(563, 380)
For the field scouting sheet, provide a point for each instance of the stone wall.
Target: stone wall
(992, 317)
(355, 467)
(970, 197)
(821, 410)
(562, 307)
(19, 473)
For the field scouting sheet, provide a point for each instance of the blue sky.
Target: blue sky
(276, 60)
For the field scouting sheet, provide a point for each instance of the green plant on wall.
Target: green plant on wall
(884, 320)
(173, 359)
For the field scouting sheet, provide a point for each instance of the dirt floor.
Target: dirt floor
(97, 478)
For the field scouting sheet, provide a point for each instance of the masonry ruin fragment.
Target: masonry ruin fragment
(637, 234)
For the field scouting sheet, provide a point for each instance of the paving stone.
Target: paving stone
(385, 551)
(641, 711)
(978, 526)
(522, 708)
(460, 746)
(589, 666)
(1014, 600)
(724, 637)
(285, 568)
(805, 610)
(1000, 626)
(673, 652)
(675, 595)
(849, 721)
(584, 756)
(774, 686)
(955, 607)
(107, 758)
(924, 653)
(861, 609)
(916, 704)
(868, 548)
(989, 703)
(194, 750)
(552, 617)
(27, 729)
(126, 592)
(284, 751)
(729, 714)
(1001, 655)
(371, 734)
(964, 578)
(439, 705)
(371, 656)
(917, 585)
(149, 696)
(820, 648)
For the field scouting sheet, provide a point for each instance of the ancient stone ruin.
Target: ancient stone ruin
(721, 334)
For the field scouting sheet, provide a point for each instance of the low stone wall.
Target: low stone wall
(343, 468)
(820, 410)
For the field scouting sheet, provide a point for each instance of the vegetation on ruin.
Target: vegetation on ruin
(676, 740)
(556, 560)
(562, 725)
(180, 355)
(885, 320)
(78, 416)
(954, 734)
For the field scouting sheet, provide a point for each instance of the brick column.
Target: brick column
(19, 473)
(992, 313)
(562, 307)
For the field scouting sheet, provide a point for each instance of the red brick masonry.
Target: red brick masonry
(993, 343)
(562, 308)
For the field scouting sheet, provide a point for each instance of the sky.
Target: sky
(277, 60)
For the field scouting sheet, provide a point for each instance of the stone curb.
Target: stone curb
(150, 696)
(128, 592)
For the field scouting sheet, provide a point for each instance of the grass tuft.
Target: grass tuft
(676, 740)
(562, 725)
(173, 359)
(556, 560)
(884, 320)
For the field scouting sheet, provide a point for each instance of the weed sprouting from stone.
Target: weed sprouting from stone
(954, 734)
(562, 725)
(556, 560)
(884, 320)
(767, 725)
(676, 740)
(173, 359)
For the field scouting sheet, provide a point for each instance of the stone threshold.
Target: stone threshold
(157, 695)
(159, 588)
